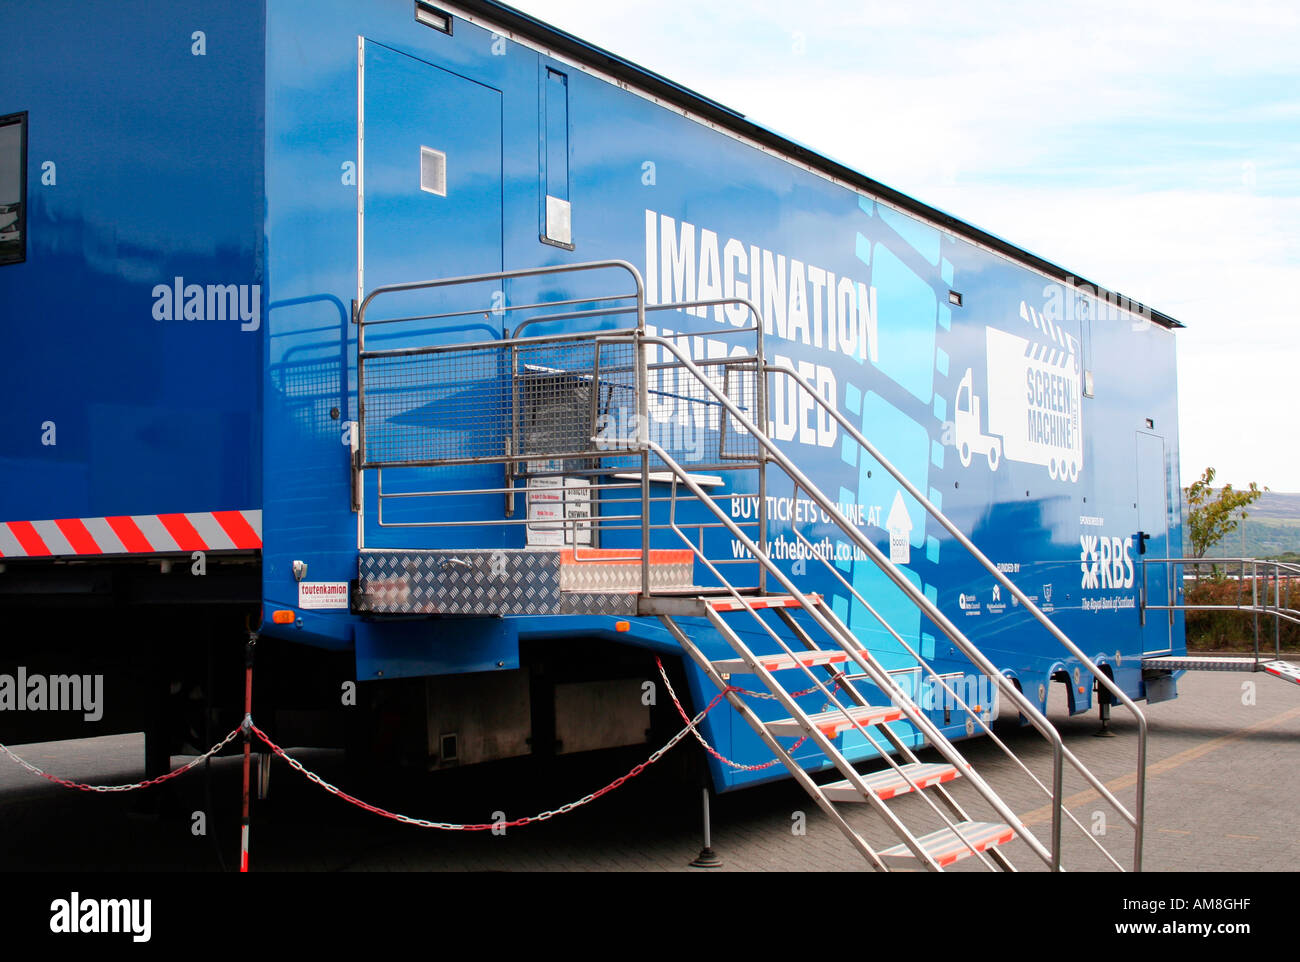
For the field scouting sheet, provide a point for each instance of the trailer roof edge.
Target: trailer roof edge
(712, 110)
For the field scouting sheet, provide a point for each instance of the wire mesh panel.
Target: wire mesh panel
(690, 423)
(437, 407)
(575, 397)
(740, 383)
(310, 390)
(537, 400)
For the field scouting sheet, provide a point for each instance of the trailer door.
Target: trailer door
(1153, 520)
(430, 185)
(429, 208)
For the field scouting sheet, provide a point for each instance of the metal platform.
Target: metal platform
(1202, 663)
(1169, 663)
(521, 581)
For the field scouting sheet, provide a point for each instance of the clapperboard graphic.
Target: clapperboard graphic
(1035, 394)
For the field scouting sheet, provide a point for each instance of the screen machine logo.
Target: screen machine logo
(1032, 412)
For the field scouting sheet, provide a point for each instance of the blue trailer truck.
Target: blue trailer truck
(473, 368)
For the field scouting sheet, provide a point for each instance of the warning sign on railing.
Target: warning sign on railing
(558, 510)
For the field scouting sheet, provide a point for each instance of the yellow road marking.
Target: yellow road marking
(1044, 813)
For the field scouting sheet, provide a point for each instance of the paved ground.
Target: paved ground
(1222, 790)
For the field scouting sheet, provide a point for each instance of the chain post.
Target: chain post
(248, 744)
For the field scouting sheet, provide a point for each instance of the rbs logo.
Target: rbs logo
(1105, 562)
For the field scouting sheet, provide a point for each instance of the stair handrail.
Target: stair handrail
(932, 611)
(1136, 819)
(948, 689)
(819, 683)
(886, 684)
(1037, 719)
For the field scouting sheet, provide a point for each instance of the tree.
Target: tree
(1211, 515)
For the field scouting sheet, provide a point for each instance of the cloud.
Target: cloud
(1150, 148)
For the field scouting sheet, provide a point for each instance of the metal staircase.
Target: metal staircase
(600, 413)
(960, 837)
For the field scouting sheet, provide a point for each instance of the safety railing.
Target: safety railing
(565, 411)
(982, 715)
(883, 680)
(1134, 818)
(1273, 587)
(831, 511)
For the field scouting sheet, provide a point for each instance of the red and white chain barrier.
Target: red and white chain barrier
(487, 826)
(691, 727)
(147, 783)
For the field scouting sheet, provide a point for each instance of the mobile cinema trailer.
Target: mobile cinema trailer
(463, 361)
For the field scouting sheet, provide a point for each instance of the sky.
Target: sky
(1153, 148)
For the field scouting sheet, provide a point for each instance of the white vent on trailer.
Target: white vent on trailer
(559, 224)
(433, 171)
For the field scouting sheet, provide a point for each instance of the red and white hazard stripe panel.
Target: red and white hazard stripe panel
(132, 534)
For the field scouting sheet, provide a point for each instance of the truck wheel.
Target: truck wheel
(1074, 470)
(963, 452)
(994, 456)
(1051, 468)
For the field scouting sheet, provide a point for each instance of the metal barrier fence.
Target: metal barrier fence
(1274, 588)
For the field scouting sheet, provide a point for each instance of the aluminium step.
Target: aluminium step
(674, 603)
(945, 847)
(691, 602)
(765, 601)
(782, 662)
(616, 569)
(888, 783)
(832, 723)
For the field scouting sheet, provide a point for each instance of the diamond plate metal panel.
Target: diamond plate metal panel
(622, 576)
(619, 604)
(460, 582)
(504, 582)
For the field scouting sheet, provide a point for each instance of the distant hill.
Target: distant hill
(1274, 505)
(1271, 528)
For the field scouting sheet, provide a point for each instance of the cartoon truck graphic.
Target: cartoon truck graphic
(968, 437)
(1034, 402)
